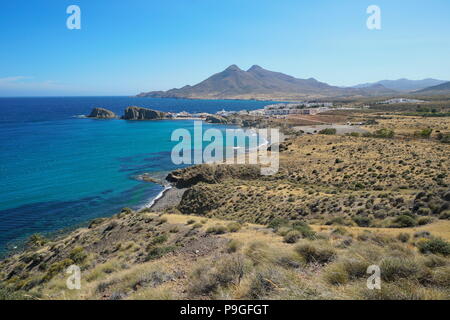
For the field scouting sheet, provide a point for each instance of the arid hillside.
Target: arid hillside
(339, 204)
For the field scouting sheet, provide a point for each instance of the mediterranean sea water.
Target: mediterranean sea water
(59, 171)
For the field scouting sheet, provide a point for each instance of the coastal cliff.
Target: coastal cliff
(101, 113)
(138, 113)
(212, 173)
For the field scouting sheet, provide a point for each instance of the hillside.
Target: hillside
(338, 205)
(259, 83)
(442, 89)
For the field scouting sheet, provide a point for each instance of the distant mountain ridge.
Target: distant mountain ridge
(259, 83)
(443, 88)
(404, 85)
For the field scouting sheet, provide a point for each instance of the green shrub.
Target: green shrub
(56, 268)
(384, 133)
(404, 237)
(77, 255)
(278, 222)
(425, 133)
(424, 211)
(434, 245)
(328, 131)
(304, 229)
(362, 221)
(159, 239)
(404, 221)
(36, 240)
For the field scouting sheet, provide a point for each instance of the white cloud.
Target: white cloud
(13, 79)
(27, 85)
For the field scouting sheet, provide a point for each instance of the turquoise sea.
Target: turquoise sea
(59, 171)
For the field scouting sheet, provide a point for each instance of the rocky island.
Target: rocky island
(138, 113)
(101, 113)
(131, 113)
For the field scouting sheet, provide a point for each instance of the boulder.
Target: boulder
(216, 119)
(101, 113)
(138, 113)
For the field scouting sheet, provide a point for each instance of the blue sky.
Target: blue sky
(125, 47)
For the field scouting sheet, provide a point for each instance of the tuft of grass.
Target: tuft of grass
(217, 229)
(159, 239)
(207, 278)
(403, 290)
(233, 246)
(263, 282)
(315, 253)
(335, 274)
(158, 252)
(395, 268)
(292, 236)
(234, 227)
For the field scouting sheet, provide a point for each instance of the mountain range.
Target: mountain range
(262, 84)
(404, 85)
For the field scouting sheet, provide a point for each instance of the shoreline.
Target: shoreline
(171, 196)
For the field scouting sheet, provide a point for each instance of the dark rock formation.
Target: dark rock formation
(101, 113)
(216, 119)
(138, 113)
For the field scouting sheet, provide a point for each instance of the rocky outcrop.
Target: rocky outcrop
(101, 113)
(138, 113)
(212, 173)
(216, 119)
